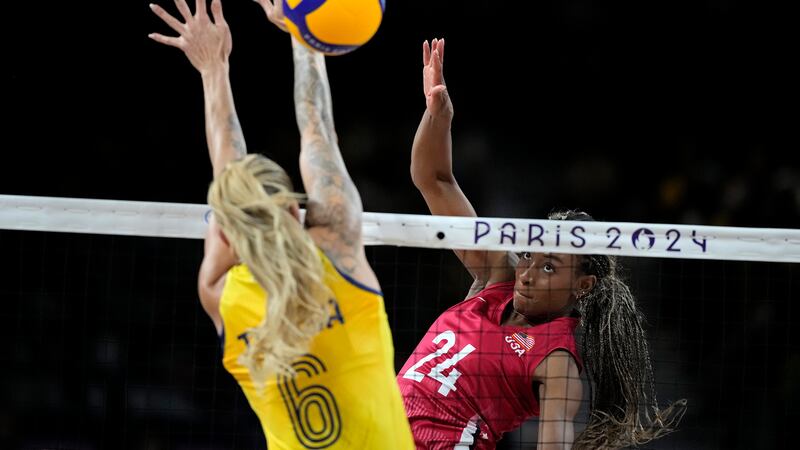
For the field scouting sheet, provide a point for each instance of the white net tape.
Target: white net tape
(177, 220)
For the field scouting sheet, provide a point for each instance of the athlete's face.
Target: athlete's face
(548, 284)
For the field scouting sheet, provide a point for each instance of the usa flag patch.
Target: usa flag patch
(524, 340)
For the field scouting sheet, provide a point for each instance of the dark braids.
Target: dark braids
(600, 266)
(624, 410)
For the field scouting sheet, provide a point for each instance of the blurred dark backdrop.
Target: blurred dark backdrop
(674, 112)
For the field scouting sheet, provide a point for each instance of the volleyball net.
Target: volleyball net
(109, 348)
(176, 220)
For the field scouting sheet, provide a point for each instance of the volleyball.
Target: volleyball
(333, 27)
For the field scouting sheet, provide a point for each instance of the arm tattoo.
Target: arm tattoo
(237, 137)
(333, 201)
(312, 94)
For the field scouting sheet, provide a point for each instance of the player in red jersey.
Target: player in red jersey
(508, 351)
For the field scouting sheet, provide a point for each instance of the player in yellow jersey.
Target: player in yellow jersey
(298, 307)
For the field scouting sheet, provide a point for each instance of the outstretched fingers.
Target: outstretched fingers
(437, 98)
(166, 40)
(184, 9)
(436, 47)
(436, 66)
(173, 23)
(274, 11)
(216, 12)
(269, 8)
(200, 9)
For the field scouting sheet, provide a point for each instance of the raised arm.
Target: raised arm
(432, 168)
(208, 46)
(333, 212)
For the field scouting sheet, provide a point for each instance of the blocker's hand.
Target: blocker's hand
(436, 97)
(207, 44)
(274, 11)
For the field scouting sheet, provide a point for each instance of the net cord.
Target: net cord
(180, 220)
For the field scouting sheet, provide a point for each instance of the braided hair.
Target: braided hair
(623, 410)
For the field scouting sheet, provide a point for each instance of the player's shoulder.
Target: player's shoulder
(557, 364)
(495, 292)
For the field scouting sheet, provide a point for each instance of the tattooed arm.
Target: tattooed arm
(333, 213)
(208, 44)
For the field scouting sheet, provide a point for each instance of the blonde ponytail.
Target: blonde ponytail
(250, 199)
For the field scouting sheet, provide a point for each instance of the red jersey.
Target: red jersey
(470, 379)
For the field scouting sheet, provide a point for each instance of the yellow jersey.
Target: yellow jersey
(344, 395)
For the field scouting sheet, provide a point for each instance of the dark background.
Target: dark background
(677, 112)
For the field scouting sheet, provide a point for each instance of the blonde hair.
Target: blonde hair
(250, 199)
